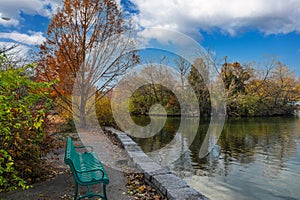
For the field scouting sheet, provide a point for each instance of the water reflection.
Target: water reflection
(253, 159)
(171, 143)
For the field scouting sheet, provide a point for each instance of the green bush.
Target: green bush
(68, 127)
(23, 117)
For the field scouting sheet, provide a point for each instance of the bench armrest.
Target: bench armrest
(91, 170)
(82, 147)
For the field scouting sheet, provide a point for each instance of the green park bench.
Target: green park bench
(86, 168)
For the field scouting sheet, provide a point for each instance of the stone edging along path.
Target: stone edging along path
(160, 178)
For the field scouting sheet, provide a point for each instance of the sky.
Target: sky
(244, 31)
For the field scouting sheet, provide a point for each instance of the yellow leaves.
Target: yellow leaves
(142, 188)
(28, 170)
(38, 123)
(10, 164)
(103, 111)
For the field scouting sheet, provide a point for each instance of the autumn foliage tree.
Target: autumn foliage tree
(274, 87)
(235, 78)
(88, 43)
(251, 91)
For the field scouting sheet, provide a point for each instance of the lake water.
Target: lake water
(257, 158)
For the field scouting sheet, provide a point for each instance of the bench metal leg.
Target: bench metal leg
(76, 191)
(104, 191)
(89, 193)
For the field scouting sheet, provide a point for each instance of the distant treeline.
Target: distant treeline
(250, 91)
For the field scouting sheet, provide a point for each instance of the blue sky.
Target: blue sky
(244, 31)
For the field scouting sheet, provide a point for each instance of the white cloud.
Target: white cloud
(19, 52)
(231, 17)
(19, 48)
(11, 9)
(35, 38)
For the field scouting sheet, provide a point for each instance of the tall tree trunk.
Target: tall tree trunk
(82, 115)
(82, 122)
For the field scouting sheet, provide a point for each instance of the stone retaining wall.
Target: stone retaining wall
(160, 178)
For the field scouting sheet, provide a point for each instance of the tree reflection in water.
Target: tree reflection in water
(254, 158)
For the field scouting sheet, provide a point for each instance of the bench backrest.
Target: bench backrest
(71, 155)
